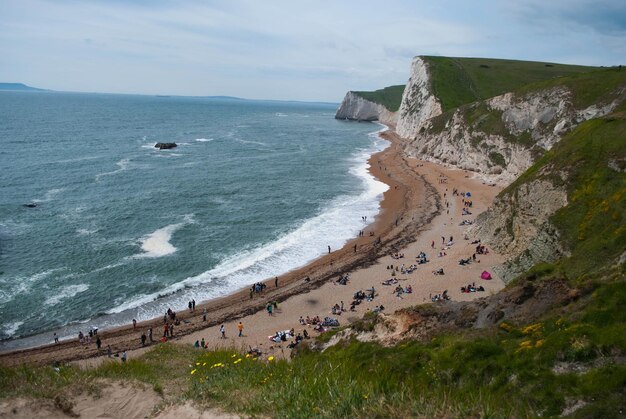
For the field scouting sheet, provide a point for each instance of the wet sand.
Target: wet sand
(413, 214)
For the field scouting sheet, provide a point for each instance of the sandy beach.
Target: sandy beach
(417, 210)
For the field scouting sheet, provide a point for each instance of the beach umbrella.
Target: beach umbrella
(468, 194)
(485, 275)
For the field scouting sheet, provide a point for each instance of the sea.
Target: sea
(122, 230)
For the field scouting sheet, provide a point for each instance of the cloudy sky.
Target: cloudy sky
(295, 50)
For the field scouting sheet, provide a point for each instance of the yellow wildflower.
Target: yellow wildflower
(270, 358)
(193, 372)
(237, 361)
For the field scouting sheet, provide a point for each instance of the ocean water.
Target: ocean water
(122, 230)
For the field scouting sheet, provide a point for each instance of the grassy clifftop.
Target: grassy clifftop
(458, 81)
(390, 97)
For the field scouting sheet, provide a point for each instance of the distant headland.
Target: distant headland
(21, 87)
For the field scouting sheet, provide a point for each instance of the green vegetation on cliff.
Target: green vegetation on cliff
(590, 162)
(458, 81)
(390, 97)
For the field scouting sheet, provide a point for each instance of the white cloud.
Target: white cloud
(278, 50)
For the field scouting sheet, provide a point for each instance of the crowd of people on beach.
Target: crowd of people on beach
(316, 322)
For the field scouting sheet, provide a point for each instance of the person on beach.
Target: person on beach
(124, 357)
(166, 328)
(56, 338)
(276, 282)
(240, 328)
(202, 343)
(98, 343)
(134, 323)
(329, 249)
(150, 334)
(223, 332)
(204, 312)
(193, 304)
(109, 351)
(269, 309)
(143, 339)
(189, 305)
(172, 330)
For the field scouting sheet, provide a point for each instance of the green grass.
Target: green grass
(593, 224)
(390, 97)
(501, 373)
(458, 81)
(164, 368)
(506, 371)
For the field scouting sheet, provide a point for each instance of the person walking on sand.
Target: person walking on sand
(124, 357)
(329, 249)
(276, 282)
(189, 305)
(240, 328)
(150, 334)
(223, 332)
(134, 323)
(143, 339)
(269, 308)
(98, 342)
(204, 315)
(193, 304)
(56, 338)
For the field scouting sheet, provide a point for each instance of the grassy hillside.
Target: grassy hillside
(390, 97)
(457, 81)
(593, 160)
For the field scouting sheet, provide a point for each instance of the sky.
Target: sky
(286, 50)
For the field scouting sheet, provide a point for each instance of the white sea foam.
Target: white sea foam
(77, 159)
(280, 114)
(49, 195)
(239, 140)
(158, 244)
(333, 226)
(68, 291)
(122, 164)
(9, 329)
(204, 140)
(21, 285)
(85, 232)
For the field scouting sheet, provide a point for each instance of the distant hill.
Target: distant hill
(390, 97)
(19, 87)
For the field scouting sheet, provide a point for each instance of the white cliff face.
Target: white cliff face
(501, 137)
(354, 107)
(419, 104)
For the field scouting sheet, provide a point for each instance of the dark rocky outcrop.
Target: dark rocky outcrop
(165, 146)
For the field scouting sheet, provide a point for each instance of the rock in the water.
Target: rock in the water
(165, 146)
(30, 205)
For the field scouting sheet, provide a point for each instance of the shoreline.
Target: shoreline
(148, 309)
(391, 225)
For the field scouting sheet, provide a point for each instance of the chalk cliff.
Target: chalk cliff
(357, 108)
(497, 138)
(500, 137)
(419, 104)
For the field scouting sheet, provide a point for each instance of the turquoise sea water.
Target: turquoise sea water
(122, 230)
